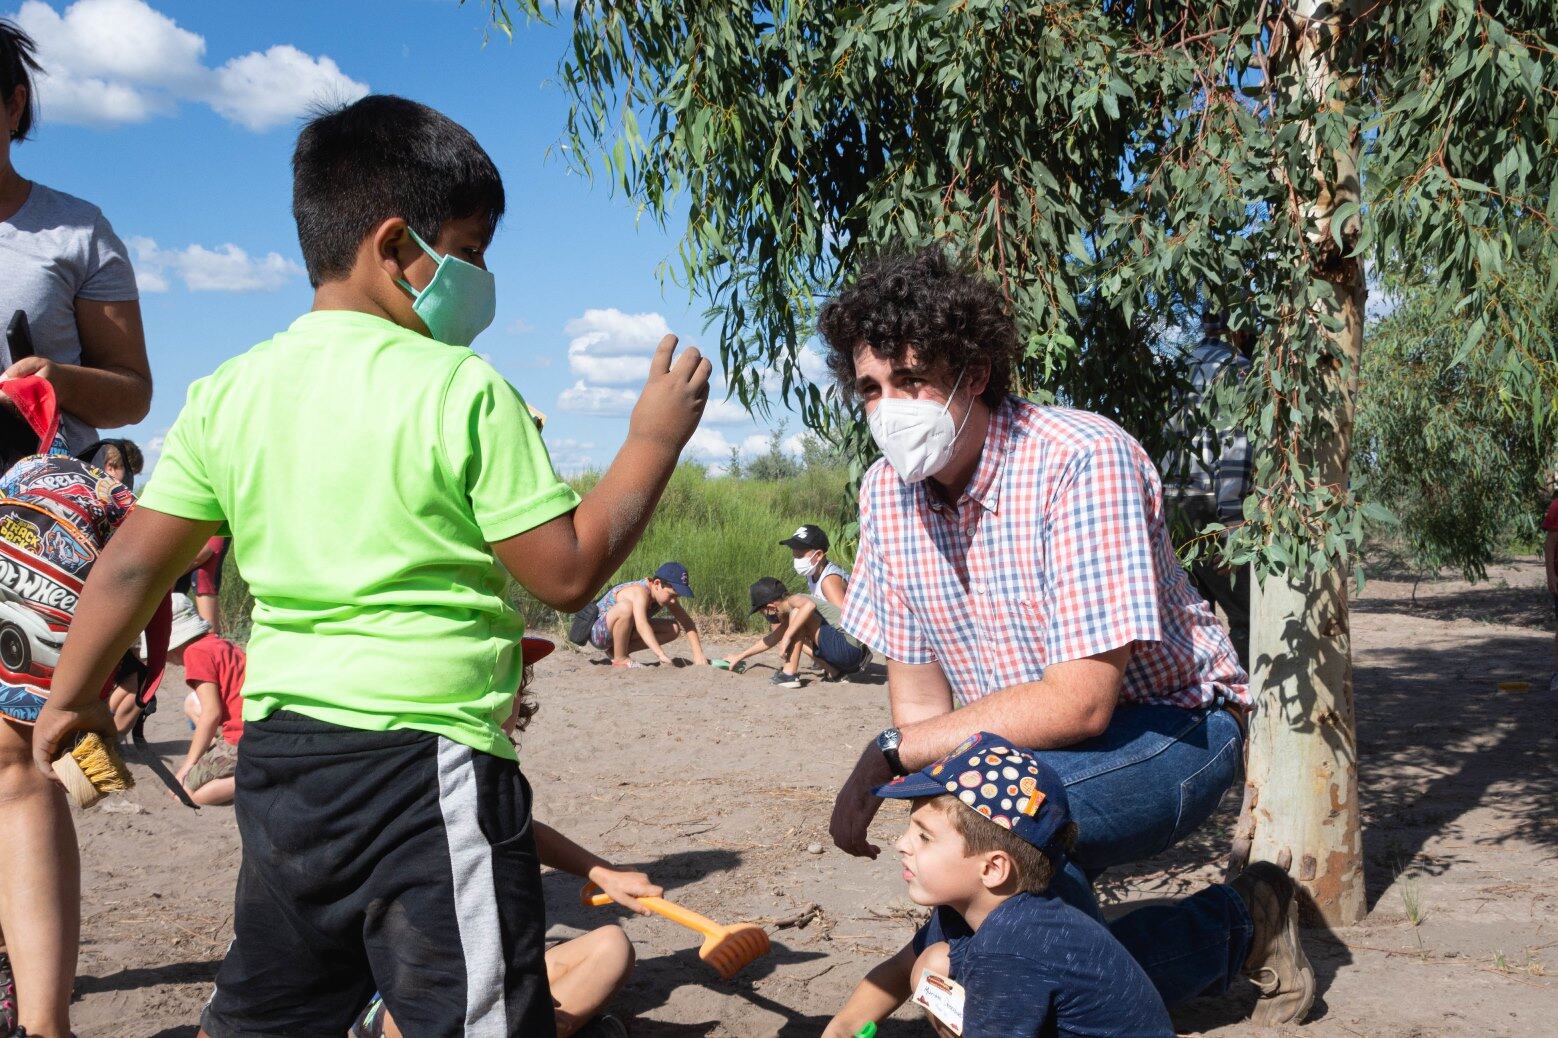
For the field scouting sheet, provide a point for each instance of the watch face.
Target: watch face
(889, 739)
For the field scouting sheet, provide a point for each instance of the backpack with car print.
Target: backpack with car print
(56, 515)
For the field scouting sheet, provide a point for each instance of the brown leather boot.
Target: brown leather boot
(1276, 964)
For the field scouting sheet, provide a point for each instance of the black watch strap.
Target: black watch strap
(887, 743)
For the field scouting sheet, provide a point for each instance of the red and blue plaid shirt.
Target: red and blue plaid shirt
(1057, 550)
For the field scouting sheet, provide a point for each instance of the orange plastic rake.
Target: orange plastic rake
(728, 949)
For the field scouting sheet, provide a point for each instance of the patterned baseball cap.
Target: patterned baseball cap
(1005, 783)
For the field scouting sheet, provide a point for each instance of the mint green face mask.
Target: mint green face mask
(459, 303)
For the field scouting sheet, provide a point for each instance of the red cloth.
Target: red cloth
(214, 659)
(34, 398)
(207, 574)
(1550, 520)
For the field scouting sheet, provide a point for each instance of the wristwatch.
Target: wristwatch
(888, 742)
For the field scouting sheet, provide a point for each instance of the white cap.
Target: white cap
(187, 624)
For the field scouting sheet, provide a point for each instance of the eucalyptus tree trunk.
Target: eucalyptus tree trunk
(1303, 774)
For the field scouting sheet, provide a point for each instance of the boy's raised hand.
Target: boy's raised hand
(672, 402)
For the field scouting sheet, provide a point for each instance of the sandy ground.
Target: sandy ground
(717, 784)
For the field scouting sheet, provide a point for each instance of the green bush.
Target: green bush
(725, 530)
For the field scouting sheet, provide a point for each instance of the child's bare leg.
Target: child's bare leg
(792, 663)
(805, 638)
(206, 606)
(934, 959)
(666, 631)
(40, 887)
(124, 708)
(215, 793)
(585, 972)
(620, 623)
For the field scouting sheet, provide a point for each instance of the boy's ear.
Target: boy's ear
(997, 870)
(393, 249)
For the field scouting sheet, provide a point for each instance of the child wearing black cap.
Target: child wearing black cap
(989, 829)
(825, 579)
(800, 624)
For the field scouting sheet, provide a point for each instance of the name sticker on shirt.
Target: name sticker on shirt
(942, 999)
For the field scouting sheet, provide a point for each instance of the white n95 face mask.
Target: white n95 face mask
(916, 436)
(805, 564)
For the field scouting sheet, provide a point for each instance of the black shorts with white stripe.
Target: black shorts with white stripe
(399, 861)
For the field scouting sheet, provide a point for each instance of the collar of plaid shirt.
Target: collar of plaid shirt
(984, 487)
(1065, 556)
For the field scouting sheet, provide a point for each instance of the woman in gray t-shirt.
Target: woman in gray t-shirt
(65, 268)
(63, 265)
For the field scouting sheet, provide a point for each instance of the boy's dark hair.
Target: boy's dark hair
(926, 300)
(980, 835)
(17, 67)
(384, 156)
(129, 454)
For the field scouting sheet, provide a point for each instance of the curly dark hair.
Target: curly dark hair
(927, 300)
(525, 706)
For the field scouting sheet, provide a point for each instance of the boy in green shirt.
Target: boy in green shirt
(372, 470)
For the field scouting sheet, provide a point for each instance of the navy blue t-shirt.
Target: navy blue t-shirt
(1039, 967)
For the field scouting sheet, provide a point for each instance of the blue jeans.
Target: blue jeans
(1150, 780)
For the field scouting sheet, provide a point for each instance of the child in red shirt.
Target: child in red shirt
(213, 668)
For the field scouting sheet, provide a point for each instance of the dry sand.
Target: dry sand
(717, 783)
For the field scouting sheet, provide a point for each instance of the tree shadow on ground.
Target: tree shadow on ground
(1437, 740)
(1486, 603)
(655, 979)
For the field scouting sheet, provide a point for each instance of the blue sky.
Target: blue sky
(177, 118)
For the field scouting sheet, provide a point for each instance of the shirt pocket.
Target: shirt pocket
(1012, 638)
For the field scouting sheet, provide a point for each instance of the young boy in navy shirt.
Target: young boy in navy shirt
(989, 829)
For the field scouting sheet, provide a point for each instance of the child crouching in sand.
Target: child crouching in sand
(800, 625)
(990, 828)
(213, 669)
(586, 971)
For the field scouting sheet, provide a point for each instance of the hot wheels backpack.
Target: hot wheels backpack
(56, 515)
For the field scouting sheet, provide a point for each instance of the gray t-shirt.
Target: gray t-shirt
(54, 250)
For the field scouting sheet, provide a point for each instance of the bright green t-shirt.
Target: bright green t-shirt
(363, 470)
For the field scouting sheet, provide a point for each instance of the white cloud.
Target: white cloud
(610, 347)
(519, 326)
(814, 365)
(708, 445)
(580, 398)
(224, 269)
(725, 412)
(756, 445)
(123, 61)
(570, 456)
(261, 91)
